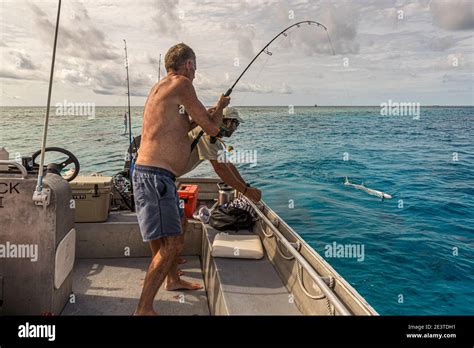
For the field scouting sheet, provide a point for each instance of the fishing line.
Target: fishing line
(270, 54)
(284, 32)
(258, 75)
(344, 79)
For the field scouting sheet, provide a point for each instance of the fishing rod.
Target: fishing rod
(266, 51)
(129, 126)
(39, 197)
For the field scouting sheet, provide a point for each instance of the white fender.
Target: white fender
(65, 256)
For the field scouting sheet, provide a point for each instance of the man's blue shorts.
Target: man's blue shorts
(157, 202)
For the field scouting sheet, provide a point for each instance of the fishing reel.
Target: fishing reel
(223, 132)
(133, 150)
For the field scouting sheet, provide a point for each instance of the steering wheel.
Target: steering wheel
(57, 168)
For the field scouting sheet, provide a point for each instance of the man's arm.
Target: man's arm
(226, 173)
(235, 171)
(193, 124)
(210, 123)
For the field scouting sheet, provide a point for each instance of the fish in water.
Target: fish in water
(370, 191)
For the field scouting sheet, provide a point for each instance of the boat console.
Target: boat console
(37, 241)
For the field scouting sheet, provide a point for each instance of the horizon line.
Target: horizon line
(246, 106)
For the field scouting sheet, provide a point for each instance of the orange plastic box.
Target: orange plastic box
(189, 194)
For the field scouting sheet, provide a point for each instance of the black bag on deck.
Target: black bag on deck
(231, 218)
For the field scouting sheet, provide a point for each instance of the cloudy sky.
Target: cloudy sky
(419, 51)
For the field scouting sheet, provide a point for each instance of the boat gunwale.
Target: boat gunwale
(358, 298)
(318, 258)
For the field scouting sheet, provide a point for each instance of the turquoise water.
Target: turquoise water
(422, 250)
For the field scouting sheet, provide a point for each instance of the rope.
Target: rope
(330, 307)
(299, 275)
(319, 296)
(271, 235)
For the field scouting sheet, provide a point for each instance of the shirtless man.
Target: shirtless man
(164, 153)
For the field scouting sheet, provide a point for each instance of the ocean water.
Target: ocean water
(418, 246)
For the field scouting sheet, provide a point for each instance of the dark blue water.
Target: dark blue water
(418, 245)
(409, 250)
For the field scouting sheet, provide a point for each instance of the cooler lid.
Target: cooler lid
(91, 181)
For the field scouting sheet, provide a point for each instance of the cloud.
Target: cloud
(13, 97)
(18, 65)
(167, 17)
(10, 73)
(107, 80)
(245, 36)
(142, 57)
(380, 47)
(453, 14)
(78, 35)
(23, 61)
(342, 23)
(86, 57)
(441, 43)
(205, 83)
(341, 20)
(457, 79)
(264, 89)
(76, 77)
(104, 92)
(286, 89)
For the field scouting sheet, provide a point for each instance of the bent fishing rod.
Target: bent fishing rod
(266, 51)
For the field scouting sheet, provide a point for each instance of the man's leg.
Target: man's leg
(173, 282)
(155, 247)
(184, 227)
(161, 263)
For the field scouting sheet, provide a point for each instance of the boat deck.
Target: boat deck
(111, 261)
(113, 286)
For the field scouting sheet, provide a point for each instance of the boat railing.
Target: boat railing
(22, 169)
(293, 249)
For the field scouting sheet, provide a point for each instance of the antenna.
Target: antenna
(39, 197)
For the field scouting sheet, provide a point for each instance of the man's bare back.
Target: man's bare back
(165, 141)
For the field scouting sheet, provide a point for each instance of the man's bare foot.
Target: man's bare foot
(182, 285)
(181, 260)
(145, 313)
